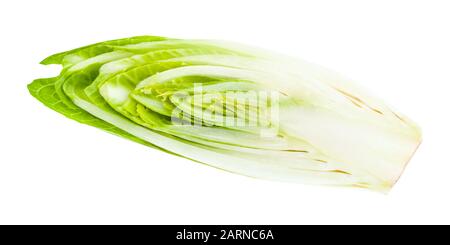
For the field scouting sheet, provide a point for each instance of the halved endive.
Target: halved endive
(233, 107)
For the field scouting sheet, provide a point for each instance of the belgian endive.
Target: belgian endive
(233, 107)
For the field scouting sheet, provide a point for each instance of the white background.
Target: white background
(56, 171)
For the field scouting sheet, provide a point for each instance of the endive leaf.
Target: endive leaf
(233, 107)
